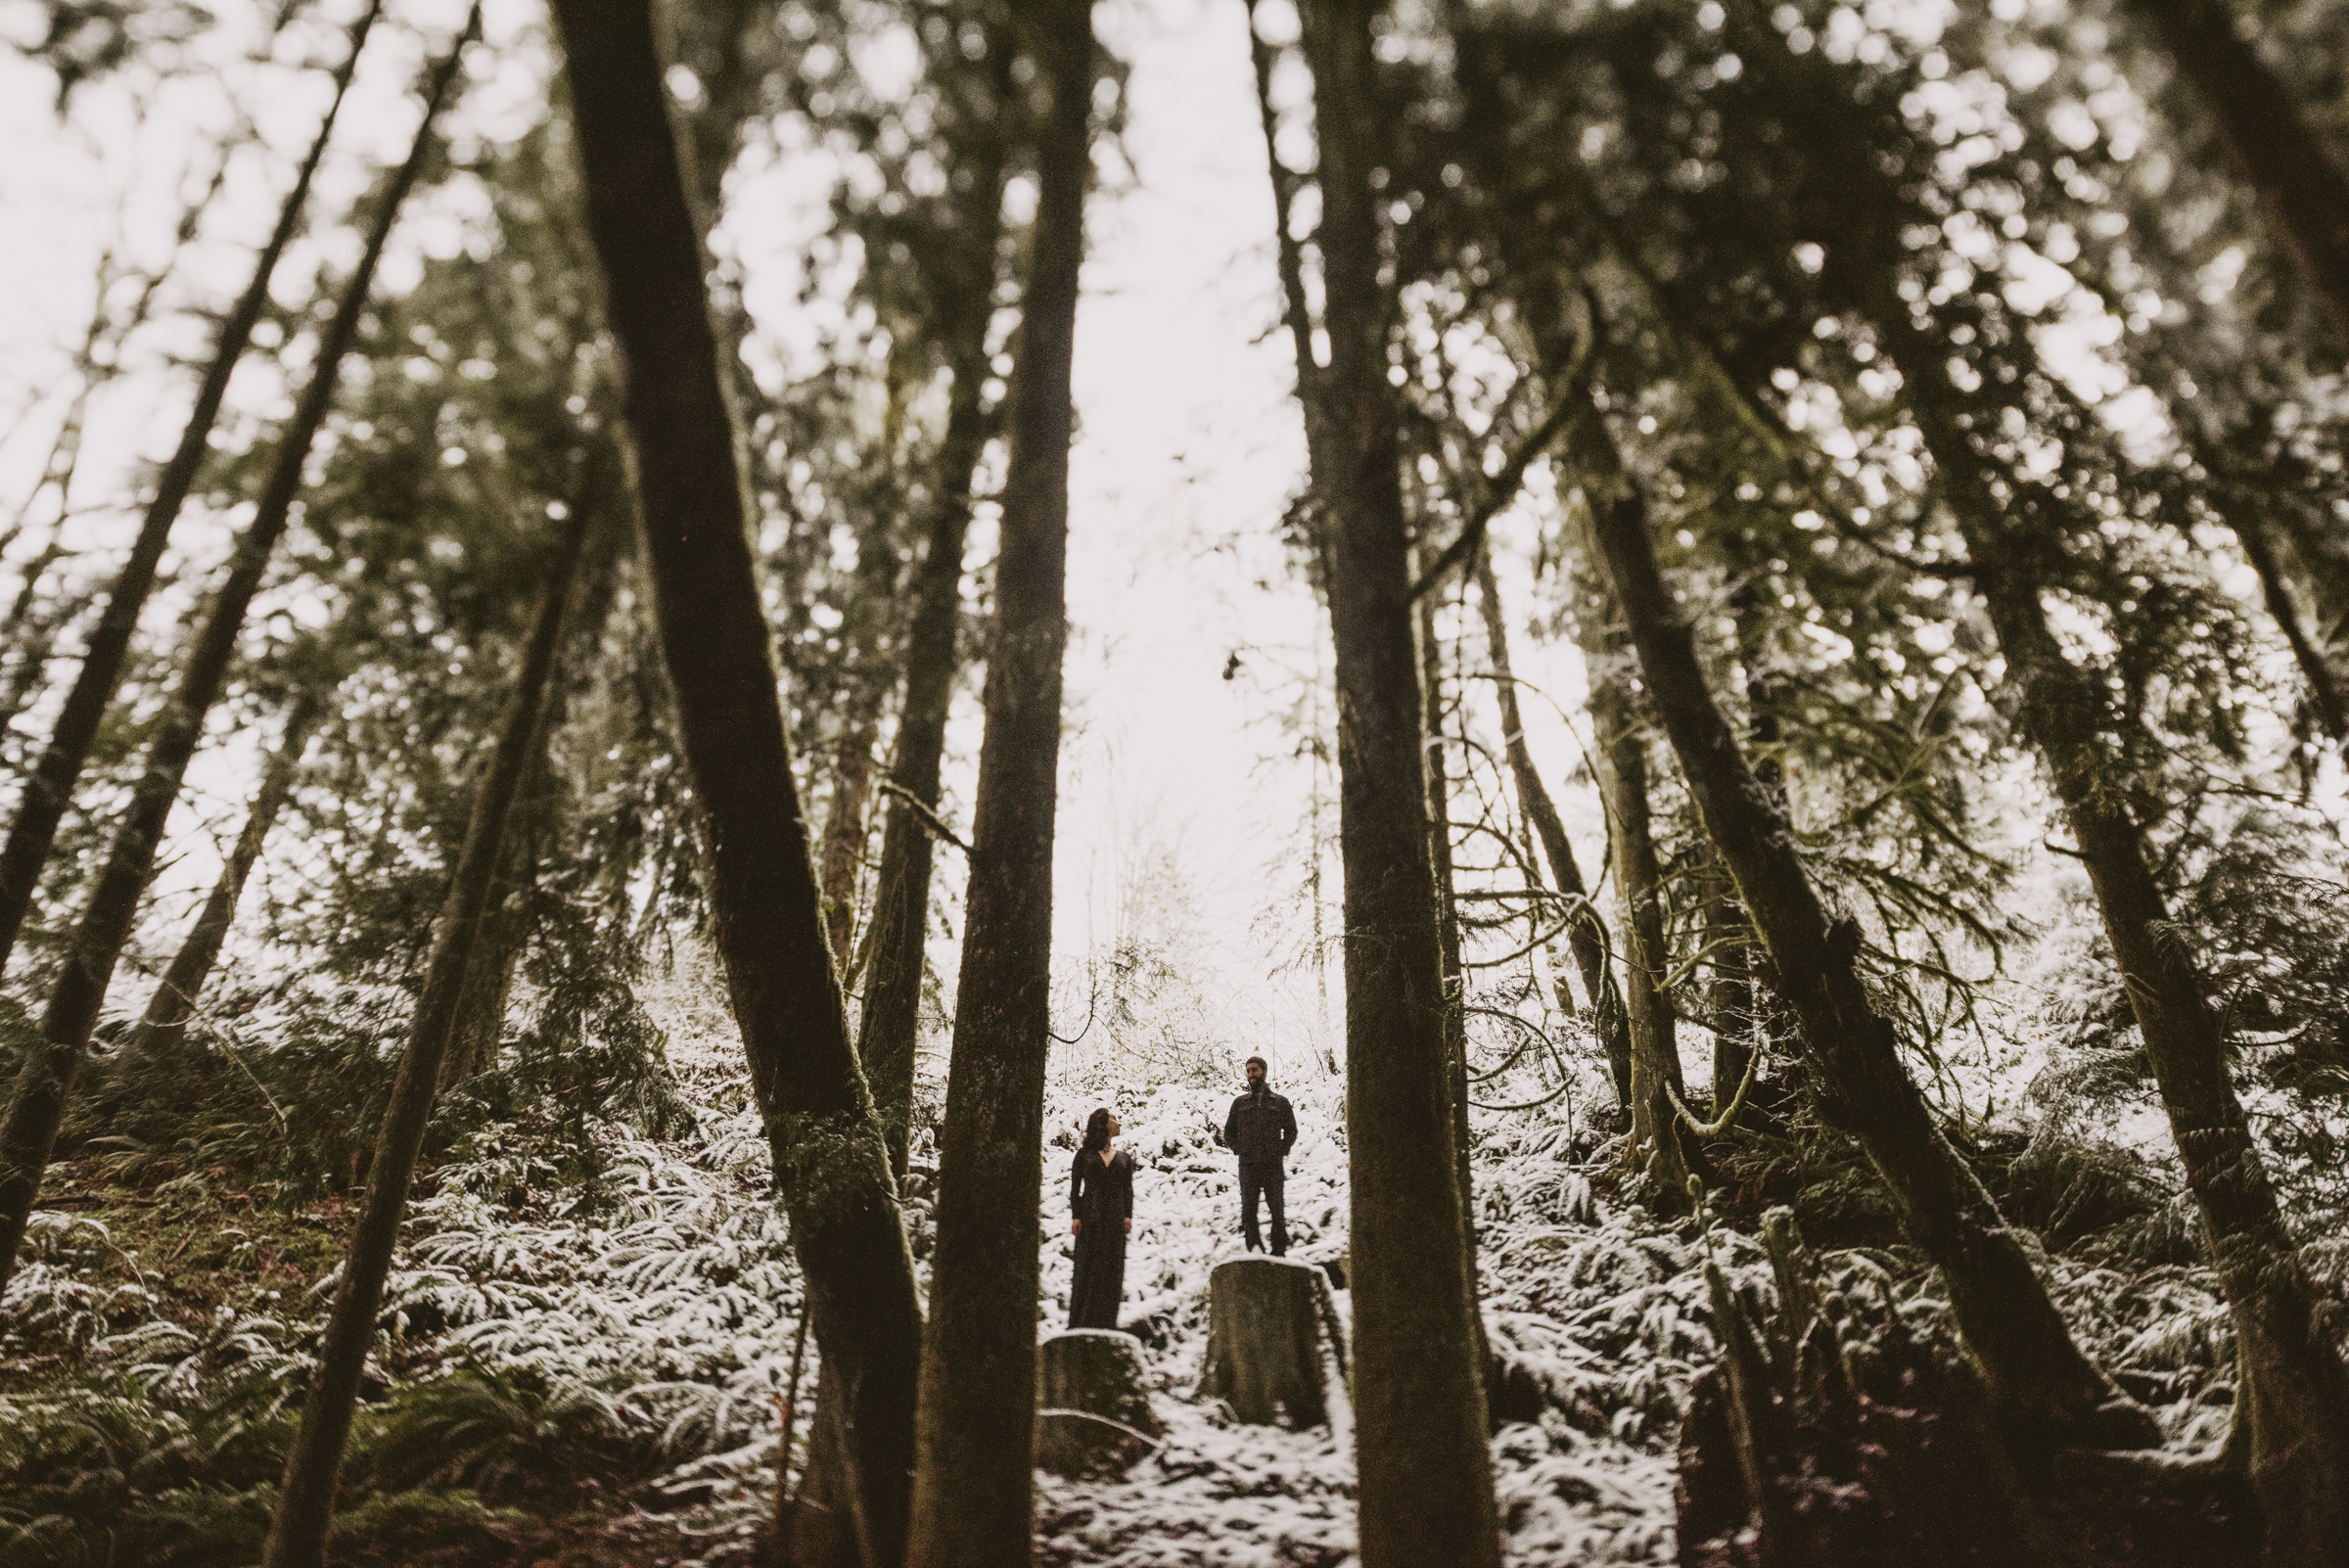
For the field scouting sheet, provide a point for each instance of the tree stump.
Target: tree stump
(1093, 1417)
(1265, 1321)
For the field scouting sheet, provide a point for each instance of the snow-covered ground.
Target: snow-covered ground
(669, 1305)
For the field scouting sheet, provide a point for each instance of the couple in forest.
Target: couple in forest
(1261, 1129)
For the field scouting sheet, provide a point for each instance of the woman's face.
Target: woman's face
(1114, 1128)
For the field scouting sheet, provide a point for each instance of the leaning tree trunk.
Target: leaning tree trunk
(305, 1499)
(1426, 1474)
(507, 923)
(49, 789)
(46, 1079)
(1656, 1144)
(2287, 1355)
(1587, 935)
(846, 831)
(2303, 188)
(164, 1027)
(973, 1476)
(2046, 1391)
(826, 1142)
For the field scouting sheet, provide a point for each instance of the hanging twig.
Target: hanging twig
(929, 818)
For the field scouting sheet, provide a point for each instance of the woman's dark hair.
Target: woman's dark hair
(1096, 1132)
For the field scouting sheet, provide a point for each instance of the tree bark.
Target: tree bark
(163, 1029)
(1426, 1478)
(1656, 1144)
(2299, 1387)
(1587, 937)
(46, 1080)
(764, 902)
(973, 1476)
(48, 788)
(2302, 188)
(2045, 1390)
(305, 1499)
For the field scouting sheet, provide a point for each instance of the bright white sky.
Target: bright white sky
(1189, 445)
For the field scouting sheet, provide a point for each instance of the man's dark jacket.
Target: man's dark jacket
(1261, 1129)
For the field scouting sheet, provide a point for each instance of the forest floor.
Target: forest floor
(585, 1356)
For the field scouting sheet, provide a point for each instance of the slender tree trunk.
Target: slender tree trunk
(2287, 1359)
(46, 1080)
(1587, 937)
(1656, 1145)
(506, 924)
(48, 788)
(1447, 946)
(2303, 188)
(765, 907)
(2046, 1391)
(1426, 1477)
(974, 1477)
(298, 1529)
(890, 1026)
(845, 832)
(163, 1029)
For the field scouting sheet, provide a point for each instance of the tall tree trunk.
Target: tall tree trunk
(1731, 998)
(1447, 947)
(46, 1080)
(765, 907)
(2045, 1390)
(164, 1027)
(1586, 936)
(1426, 1475)
(49, 789)
(506, 924)
(974, 1477)
(2303, 188)
(890, 1026)
(305, 1499)
(1656, 1145)
(2298, 1389)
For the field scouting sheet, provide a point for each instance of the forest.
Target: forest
(659, 658)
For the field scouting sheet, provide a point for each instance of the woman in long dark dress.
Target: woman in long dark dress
(1100, 1217)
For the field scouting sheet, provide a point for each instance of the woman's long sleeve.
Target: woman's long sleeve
(1076, 1186)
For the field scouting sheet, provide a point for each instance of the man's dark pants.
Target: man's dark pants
(1265, 1179)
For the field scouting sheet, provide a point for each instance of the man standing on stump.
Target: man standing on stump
(1261, 1129)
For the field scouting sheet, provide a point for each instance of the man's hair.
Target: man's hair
(1257, 1061)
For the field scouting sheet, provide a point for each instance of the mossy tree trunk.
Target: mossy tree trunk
(2045, 1390)
(974, 1475)
(45, 1083)
(766, 910)
(49, 787)
(1426, 1479)
(298, 1529)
